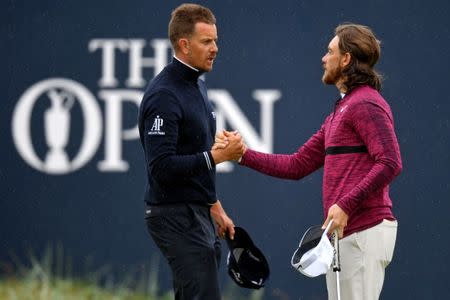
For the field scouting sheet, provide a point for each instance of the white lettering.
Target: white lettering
(227, 111)
(108, 47)
(113, 123)
(157, 124)
(137, 61)
(62, 94)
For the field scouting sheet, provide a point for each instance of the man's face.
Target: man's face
(202, 47)
(332, 63)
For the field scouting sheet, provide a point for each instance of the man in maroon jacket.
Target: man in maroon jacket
(358, 149)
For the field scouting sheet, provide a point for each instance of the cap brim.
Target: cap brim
(310, 239)
(241, 239)
(314, 254)
(250, 268)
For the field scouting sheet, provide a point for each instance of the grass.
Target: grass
(65, 289)
(51, 278)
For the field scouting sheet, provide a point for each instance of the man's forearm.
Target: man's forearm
(174, 166)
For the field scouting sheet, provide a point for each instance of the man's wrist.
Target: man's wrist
(242, 156)
(217, 156)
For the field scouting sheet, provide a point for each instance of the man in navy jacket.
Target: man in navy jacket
(177, 127)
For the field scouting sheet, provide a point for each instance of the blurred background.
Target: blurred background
(72, 172)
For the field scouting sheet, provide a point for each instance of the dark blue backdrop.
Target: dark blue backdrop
(263, 45)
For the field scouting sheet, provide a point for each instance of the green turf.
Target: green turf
(51, 278)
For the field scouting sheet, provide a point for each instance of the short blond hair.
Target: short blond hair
(184, 18)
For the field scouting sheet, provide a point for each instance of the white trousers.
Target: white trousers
(364, 256)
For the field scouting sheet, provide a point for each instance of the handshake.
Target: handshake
(228, 145)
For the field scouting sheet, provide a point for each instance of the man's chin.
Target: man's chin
(205, 69)
(328, 80)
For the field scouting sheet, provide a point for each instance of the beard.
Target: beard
(332, 76)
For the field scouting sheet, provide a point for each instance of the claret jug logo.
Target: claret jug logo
(64, 94)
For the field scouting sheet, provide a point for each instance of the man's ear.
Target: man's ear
(346, 59)
(183, 45)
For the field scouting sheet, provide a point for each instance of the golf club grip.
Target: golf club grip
(336, 260)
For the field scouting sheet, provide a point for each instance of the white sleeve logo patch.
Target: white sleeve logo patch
(156, 128)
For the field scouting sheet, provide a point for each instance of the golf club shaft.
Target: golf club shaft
(337, 263)
(338, 286)
(336, 260)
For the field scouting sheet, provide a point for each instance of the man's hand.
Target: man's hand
(223, 222)
(339, 218)
(221, 141)
(228, 146)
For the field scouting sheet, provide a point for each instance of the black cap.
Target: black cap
(247, 266)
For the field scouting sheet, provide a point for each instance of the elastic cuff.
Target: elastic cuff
(209, 160)
(342, 204)
(242, 158)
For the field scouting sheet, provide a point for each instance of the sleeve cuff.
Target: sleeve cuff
(343, 205)
(209, 160)
(242, 159)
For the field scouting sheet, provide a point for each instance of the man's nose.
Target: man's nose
(215, 48)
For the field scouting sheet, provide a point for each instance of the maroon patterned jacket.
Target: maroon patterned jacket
(358, 149)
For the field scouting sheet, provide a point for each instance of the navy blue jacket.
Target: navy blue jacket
(177, 127)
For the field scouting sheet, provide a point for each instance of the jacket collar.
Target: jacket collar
(184, 71)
